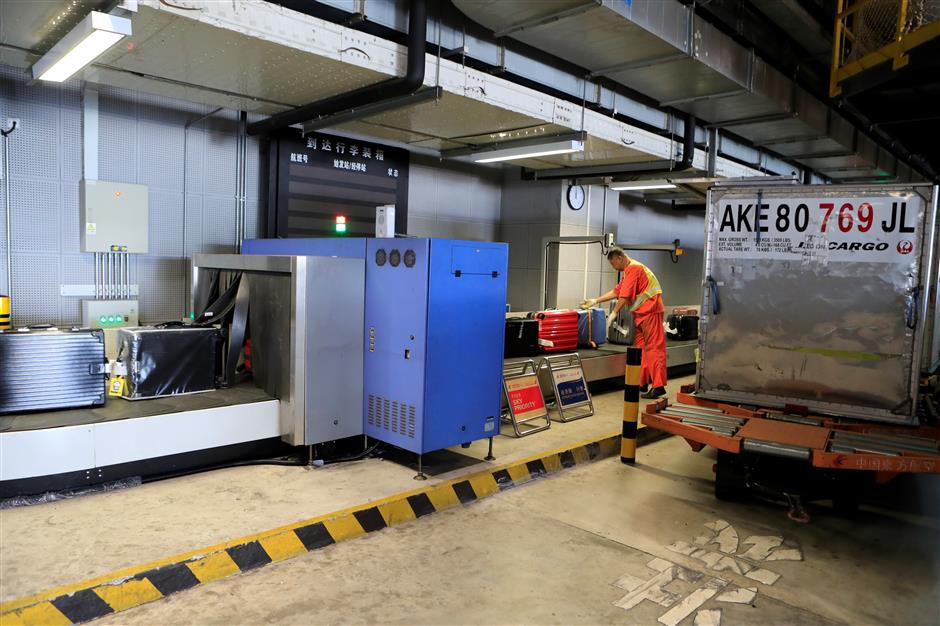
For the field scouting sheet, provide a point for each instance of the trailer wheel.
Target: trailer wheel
(730, 484)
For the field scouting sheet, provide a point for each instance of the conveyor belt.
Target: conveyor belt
(120, 409)
(610, 360)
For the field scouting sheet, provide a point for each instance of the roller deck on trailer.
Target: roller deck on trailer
(793, 453)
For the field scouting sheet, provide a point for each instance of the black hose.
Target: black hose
(198, 470)
(385, 90)
(356, 457)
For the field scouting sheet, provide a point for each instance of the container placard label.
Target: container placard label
(878, 229)
(525, 397)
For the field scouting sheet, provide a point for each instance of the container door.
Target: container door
(812, 298)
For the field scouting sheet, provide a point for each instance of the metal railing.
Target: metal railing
(870, 32)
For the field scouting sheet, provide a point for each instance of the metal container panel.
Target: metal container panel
(829, 320)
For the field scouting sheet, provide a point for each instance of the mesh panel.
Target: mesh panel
(35, 289)
(875, 25)
(35, 212)
(166, 223)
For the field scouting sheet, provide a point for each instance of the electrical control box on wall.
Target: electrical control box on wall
(109, 313)
(114, 217)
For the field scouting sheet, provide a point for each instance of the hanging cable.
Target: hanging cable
(8, 210)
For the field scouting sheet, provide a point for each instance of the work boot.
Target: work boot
(655, 392)
(644, 388)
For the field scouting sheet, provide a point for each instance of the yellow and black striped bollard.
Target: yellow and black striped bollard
(631, 406)
(5, 312)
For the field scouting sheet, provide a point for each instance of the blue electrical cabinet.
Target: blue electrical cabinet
(434, 332)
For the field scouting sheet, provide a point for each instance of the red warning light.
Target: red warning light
(117, 194)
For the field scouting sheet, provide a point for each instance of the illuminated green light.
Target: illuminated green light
(112, 319)
(103, 319)
(341, 228)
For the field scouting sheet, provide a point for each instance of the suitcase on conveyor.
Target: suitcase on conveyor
(558, 330)
(625, 321)
(46, 368)
(594, 332)
(683, 327)
(522, 337)
(170, 361)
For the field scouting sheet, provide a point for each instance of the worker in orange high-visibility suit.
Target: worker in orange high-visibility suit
(640, 292)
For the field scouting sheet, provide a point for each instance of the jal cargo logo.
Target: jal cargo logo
(905, 247)
(855, 246)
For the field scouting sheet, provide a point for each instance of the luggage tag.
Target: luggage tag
(116, 387)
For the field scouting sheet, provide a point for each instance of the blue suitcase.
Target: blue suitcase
(597, 332)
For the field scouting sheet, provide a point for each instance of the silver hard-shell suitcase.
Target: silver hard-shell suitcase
(48, 368)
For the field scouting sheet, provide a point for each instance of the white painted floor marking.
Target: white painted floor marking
(761, 546)
(763, 576)
(708, 617)
(651, 589)
(692, 602)
(738, 596)
(726, 559)
(728, 540)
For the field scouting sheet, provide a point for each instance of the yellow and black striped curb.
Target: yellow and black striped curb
(125, 589)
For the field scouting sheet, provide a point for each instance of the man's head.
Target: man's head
(618, 258)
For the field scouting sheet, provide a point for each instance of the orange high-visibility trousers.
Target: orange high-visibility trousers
(651, 337)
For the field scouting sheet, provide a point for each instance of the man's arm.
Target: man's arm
(610, 295)
(621, 303)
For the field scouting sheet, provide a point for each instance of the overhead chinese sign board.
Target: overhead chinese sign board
(315, 179)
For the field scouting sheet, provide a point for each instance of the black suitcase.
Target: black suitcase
(522, 338)
(169, 361)
(47, 368)
(683, 327)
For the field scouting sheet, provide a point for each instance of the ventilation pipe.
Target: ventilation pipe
(392, 88)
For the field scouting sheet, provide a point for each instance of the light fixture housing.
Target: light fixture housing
(83, 44)
(640, 186)
(529, 151)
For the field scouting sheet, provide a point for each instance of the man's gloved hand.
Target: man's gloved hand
(611, 320)
(587, 304)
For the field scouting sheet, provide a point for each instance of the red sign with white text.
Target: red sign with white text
(525, 397)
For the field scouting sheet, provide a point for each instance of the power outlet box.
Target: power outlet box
(110, 313)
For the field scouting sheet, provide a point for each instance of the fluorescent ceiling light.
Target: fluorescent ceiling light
(530, 151)
(640, 186)
(82, 45)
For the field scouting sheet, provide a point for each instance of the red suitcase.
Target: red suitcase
(558, 330)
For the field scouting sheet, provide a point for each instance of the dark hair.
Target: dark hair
(615, 251)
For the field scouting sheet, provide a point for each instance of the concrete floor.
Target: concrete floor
(548, 552)
(58, 543)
